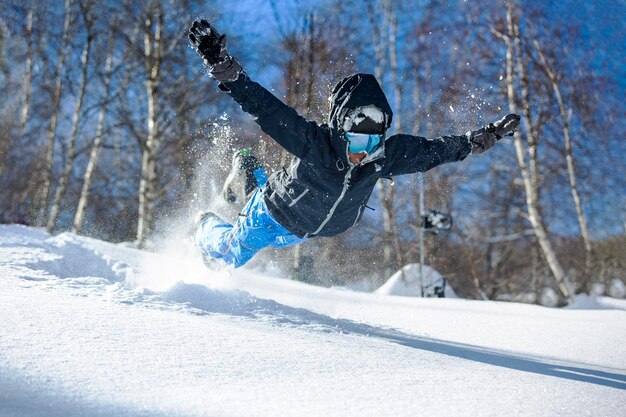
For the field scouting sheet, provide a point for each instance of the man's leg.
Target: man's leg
(237, 244)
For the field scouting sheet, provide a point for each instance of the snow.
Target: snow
(407, 282)
(549, 297)
(617, 288)
(90, 328)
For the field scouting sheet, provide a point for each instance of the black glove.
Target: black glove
(207, 41)
(211, 46)
(485, 138)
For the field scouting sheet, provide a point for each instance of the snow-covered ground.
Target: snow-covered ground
(89, 328)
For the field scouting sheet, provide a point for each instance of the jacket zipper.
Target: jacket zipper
(346, 184)
(298, 198)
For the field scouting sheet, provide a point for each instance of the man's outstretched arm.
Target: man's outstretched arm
(281, 122)
(409, 154)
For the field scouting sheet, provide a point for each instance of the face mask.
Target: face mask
(363, 142)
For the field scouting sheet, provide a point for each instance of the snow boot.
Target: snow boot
(209, 261)
(201, 217)
(246, 175)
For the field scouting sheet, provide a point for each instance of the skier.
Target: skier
(334, 167)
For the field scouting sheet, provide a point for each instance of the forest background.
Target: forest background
(110, 127)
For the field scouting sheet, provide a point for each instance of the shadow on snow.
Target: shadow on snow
(202, 300)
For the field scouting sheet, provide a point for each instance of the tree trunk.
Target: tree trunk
(71, 153)
(4, 71)
(378, 40)
(311, 76)
(42, 198)
(5, 135)
(28, 73)
(529, 171)
(416, 105)
(393, 62)
(391, 242)
(148, 183)
(397, 87)
(77, 224)
(571, 171)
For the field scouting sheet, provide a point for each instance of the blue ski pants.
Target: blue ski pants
(254, 230)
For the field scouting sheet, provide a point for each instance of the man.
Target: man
(335, 165)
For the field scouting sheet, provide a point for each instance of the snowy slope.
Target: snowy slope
(89, 328)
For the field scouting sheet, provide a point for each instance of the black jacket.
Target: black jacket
(321, 193)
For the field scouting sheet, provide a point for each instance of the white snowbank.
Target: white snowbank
(406, 282)
(617, 288)
(590, 302)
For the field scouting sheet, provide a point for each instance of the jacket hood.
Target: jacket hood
(355, 92)
(358, 101)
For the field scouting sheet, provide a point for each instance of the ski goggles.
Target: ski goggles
(363, 142)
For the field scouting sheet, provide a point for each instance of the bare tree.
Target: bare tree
(5, 138)
(384, 38)
(306, 59)
(77, 224)
(153, 56)
(528, 168)
(160, 105)
(18, 150)
(571, 171)
(378, 39)
(42, 198)
(28, 72)
(86, 11)
(388, 189)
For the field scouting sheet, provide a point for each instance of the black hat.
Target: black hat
(366, 119)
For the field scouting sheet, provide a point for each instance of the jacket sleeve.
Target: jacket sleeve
(281, 122)
(408, 154)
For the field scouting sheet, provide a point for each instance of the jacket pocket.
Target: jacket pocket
(295, 200)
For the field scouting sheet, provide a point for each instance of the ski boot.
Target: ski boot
(201, 217)
(209, 261)
(246, 175)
